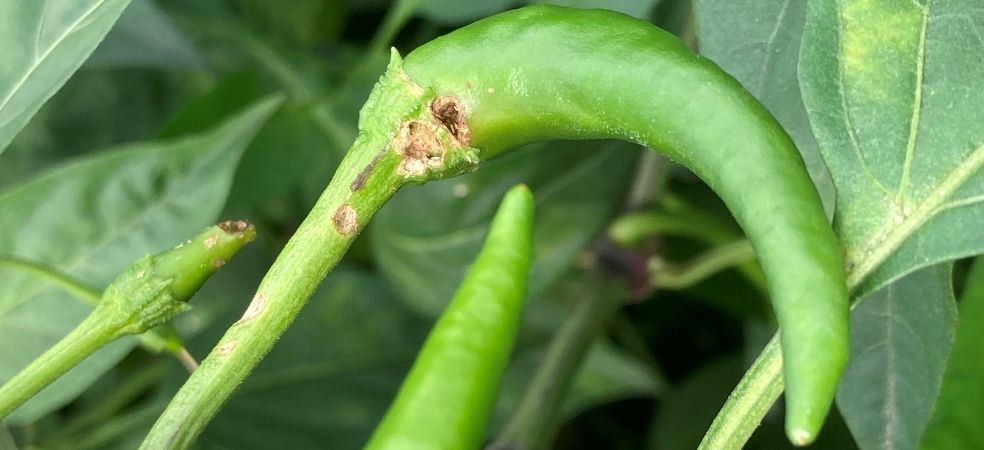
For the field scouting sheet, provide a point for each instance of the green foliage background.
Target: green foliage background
(126, 126)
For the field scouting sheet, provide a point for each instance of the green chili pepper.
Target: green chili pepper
(546, 72)
(446, 401)
(146, 294)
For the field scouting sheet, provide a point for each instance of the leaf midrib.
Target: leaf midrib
(891, 241)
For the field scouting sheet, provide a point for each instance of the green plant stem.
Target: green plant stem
(631, 229)
(313, 250)
(396, 17)
(154, 341)
(376, 165)
(664, 276)
(747, 405)
(652, 174)
(625, 333)
(93, 333)
(533, 423)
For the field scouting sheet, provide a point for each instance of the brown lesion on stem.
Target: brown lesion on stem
(419, 147)
(345, 220)
(360, 180)
(423, 142)
(226, 348)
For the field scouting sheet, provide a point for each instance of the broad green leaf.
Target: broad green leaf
(94, 110)
(44, 42)
(91, 218)
(900, 338)
(331, 376)
(285, 169)
(895, 94)
(758, 42)
(144, 36)
(425, 237)
(223, 98)
(956, 422)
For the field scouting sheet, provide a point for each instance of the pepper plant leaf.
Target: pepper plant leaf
(44, 42)
(895, 94)
(144, 37)
(900, 338)
(90, 219)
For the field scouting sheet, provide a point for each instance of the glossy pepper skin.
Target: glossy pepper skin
(446, 400)
(546, 72)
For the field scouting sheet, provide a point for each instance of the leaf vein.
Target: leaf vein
(880, 249)
(770, 44)
(910, 146)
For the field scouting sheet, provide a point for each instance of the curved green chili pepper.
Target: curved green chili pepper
(545, 72)
(146, 294)
(447, 399)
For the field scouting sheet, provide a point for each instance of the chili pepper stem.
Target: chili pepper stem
(94, 332)
(678, 277)
(380, 161)
(154, 340)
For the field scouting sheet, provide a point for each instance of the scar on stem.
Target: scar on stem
(345, 220)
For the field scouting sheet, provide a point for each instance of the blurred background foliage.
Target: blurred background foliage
(652, 378)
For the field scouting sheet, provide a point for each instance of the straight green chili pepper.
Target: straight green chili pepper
(447, 399)
(545, 72)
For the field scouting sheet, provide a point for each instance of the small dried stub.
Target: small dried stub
(234, 226)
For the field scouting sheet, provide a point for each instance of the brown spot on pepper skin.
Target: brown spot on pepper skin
(450, 112)
(345, 220)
